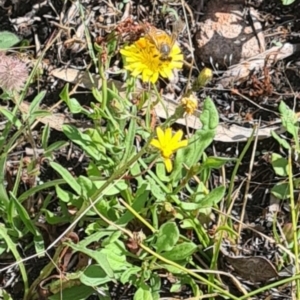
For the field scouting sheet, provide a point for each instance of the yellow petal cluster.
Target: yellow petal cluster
(168, 144)
(190, 104)
(142, 58)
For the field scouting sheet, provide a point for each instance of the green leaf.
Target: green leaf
(55, 146)
(281, 191)
(63, 195)
(13, 248)
(209, 117)
(83, 140)
(74, 106)
(186, 206)
(8, 40)
(167, 238)
(116, 257)
(202, 138)
(129, 142)
(287, 2)
(94, 275)
(130, 272)
(79, 292)
(4, 295)
(45, 136)
(289, 120)
(141, 197)
(212, 162)
(280, 164)
(22, 213)
(34, 105)
(10, 117)
(99, 257)
(180, 252)
(52, 218)
(70, 180)
(114, 189)
(213, 198)
(280, 140)
(143, 293)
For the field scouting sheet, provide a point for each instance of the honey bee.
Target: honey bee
(162, 40)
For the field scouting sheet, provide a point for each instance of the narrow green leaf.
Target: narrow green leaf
(22, 213)
(280, 140)
(70, 180)
(129, 142)
(45, 136)
(12, 247)
(34, 105)
(215, 162)
(10, 117)
(55, 146)
(114, 189)
(141, 197)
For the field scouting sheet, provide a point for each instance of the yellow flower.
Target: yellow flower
(168, 144)
(189, 103)
(143, 58)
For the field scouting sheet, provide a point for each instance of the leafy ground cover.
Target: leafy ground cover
(121, 175)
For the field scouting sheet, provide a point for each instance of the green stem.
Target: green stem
(270, 286)
(294, 221)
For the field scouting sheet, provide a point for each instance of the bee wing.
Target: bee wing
(150, 33)
(177, 27)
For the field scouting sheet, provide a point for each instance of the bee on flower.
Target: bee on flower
(153, 55)
(163, 42)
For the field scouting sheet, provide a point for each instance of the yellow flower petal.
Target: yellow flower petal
(177, 136)
(168, 135)
(160, 133)
(155, 143)
(168, 164)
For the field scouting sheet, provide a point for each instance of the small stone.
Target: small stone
(223, 33)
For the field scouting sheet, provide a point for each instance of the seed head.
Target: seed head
(13, 73)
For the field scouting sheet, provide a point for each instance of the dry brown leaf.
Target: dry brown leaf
(241, 71)
(253, 268)
(224, 133)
